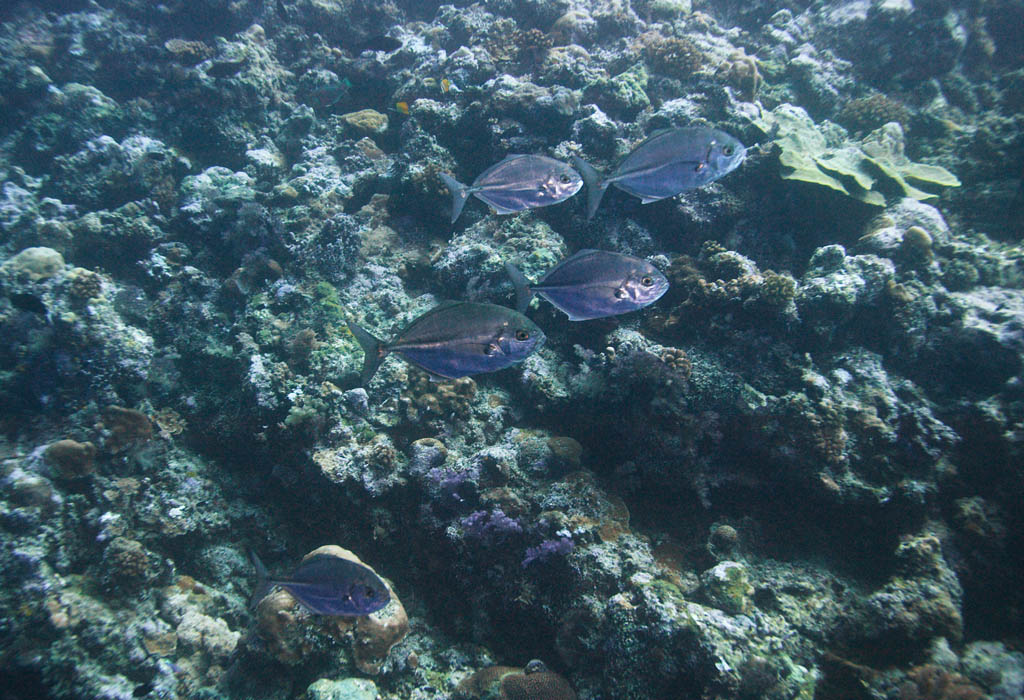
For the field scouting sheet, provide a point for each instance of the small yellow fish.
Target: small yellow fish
(445, 84)
(402, 107)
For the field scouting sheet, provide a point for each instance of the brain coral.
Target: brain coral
(534, 682)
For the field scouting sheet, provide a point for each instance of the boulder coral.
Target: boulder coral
(291, 632)
(533, 682)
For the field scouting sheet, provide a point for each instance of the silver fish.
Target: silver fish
(455, 340)
(328, 585)
(516, 183)
(593, 284)
(666, 163)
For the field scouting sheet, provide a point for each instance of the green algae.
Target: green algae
(329, 302)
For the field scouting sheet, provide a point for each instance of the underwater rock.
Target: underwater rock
(532, 104)
(344, 689)
(569, 66)
(348, 22)
(74, 114)
(212, 635)
(28, 489)
(426, 454)
(920, 602)
(208, 199)
(727, 586)
(998, 669)
(836, 287)
(893, 42)
(128, 234)
(472, 264)
(622, 96)
(990, 332)
(221, 222)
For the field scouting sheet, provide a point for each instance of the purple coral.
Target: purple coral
(452, 486)
(547, 549)
(490, 525)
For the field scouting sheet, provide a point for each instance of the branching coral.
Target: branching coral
(867, 113)
(430, 400)
(931, 682)
(671, 56)
(548, 549)
(740, 71)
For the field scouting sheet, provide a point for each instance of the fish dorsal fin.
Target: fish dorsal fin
(445, 303)
(441, 305)
(659, 132)
(510, 156)
(562, 264)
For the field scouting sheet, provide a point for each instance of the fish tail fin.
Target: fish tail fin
(373, 352)
(263, 584)
(522, 285)
(596, 185)
(460, 193)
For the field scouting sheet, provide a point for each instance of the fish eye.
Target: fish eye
(647, 281)
(369, 592)
(564, 179)
(728, 150)
(522, 335)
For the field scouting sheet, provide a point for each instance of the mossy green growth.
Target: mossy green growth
(300, 415)
(668, 591)
(727, 586)
(867, 170)
(330, 304)
(623, 94)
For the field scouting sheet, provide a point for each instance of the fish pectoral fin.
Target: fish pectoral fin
(648, 200)
(498, 209)
(436, 378)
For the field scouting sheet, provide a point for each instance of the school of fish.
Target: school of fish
(457, 339)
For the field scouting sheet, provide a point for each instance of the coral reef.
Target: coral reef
(796, 475)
